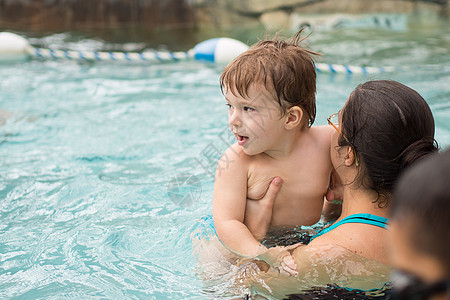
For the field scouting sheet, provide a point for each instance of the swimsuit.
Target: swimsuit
(356, 218)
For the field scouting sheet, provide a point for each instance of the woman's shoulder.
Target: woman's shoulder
(362, 239)
(334, 263)
(332, 237)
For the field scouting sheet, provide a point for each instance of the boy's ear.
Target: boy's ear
(293, 117)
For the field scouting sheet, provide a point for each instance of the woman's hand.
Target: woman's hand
(258, 213)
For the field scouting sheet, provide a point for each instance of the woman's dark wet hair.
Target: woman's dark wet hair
(390, 126)
(421, 203)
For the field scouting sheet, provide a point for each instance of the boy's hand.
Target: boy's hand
(281, 259)
(258, 213)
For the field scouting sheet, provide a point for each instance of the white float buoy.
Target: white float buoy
(13, 47)
(219, 50)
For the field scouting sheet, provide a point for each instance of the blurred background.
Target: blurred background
(180, 24)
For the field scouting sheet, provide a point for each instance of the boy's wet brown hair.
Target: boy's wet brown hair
(282, 66)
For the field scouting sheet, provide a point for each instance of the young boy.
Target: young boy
(270, 92)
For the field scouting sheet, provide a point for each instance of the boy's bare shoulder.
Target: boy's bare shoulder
(235, 155)
(234, 151)
(322, 134)
(323, 130)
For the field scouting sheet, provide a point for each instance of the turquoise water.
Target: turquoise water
(96, 161)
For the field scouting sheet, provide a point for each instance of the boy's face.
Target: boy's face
(255, 120)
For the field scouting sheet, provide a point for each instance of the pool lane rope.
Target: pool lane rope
(332, 68)
(109, 56)
(154, 56)
(218, 50)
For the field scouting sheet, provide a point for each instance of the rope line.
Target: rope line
(155, 56)
(355, 69)
(110, 56)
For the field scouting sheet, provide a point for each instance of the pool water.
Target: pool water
(105, 168)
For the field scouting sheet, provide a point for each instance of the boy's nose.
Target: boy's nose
(235, 120)
(234, 129)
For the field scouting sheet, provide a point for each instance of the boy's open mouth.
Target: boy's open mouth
(242, 139)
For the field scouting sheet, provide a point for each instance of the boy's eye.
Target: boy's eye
(228, 105)
(246, 108)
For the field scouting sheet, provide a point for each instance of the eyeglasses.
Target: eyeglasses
(406, 286)
(333, 120)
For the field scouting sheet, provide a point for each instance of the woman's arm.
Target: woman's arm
(258, 213)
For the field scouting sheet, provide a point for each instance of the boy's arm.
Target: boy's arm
(229, 201)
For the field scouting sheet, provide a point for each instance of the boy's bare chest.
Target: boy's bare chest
(301, 179)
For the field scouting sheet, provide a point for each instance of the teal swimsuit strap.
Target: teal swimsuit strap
(356, 218)
(366, 219)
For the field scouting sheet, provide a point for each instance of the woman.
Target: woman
(382, 129)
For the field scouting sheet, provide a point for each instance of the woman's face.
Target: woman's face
(338, 153)
(335, 151)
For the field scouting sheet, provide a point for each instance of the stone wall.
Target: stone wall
(273, 14)
(64, 15)
(140, 18)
